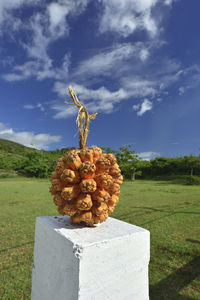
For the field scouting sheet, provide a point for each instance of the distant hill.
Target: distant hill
(27, 161)
(14, 148)
(19, 149)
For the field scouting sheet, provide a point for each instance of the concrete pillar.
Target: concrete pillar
(105, 262)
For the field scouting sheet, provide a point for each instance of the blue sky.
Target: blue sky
(135, 62)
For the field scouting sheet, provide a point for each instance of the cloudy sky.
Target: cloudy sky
(135, 62)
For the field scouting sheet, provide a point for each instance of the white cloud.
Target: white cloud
(21, 72)
(139, 87)
(13, 77)
(39, 69)
(175, 143)
(57, 14)
(37, 45)
(63, 111)
(144, 54)
(100, 94)
(7, 61)
(60, 10)
(102, 99)
(106, 61)
(148, 155)
(181, 90)
(116, 62)
(61, 89)
(143, 108)
(42, 28)
(97, 100)
(146, 105)
(127, 16)
(6, 6)
(169, 2)
(136, 107)
(30, 106)
(40, 106)
(27, 138)
(84, 93)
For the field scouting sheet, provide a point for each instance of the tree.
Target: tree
(161, 165)
(36, 164)
(192, 162)
(108, 150)
(128, 161)
(145, 167)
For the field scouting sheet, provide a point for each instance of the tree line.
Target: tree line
(42, 163)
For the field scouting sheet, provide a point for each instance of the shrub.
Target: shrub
(191, 180)
(7, 175)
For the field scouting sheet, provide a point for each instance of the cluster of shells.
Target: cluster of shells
(86, 185)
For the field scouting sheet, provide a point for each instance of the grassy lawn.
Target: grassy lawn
(171, 212)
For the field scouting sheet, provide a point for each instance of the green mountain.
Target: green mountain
(12, 157)
(14, 148)
(27, 161)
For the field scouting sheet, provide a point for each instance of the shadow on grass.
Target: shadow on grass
(167, 182)
(170, 287)
(193, 241)
(168, 213)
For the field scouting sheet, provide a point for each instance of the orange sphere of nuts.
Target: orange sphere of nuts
(87, 189)
(86, 182)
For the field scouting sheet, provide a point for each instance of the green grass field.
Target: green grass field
(171, 212)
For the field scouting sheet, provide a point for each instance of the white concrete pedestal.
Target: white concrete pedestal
(106, 262)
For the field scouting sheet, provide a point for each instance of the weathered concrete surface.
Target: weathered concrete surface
(108, 261)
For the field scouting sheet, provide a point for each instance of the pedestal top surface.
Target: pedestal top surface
(108, 230)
